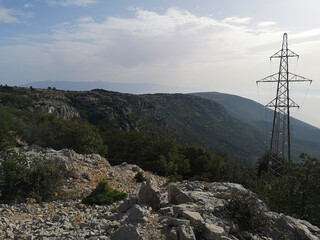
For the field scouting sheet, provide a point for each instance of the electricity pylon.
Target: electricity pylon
(280, 139)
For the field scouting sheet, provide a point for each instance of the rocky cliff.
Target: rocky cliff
(154, 210)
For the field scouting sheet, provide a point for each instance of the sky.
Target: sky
(204, 45)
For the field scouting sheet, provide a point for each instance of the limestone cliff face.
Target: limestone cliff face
(53, 102)
(58, 108)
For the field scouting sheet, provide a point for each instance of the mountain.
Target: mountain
(133, 88)
(227, 124)
(189, 120)
(304, 137)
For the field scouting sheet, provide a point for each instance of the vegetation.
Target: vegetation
(243, 208)
(47, 130)
(126, 137)
(139, 177)
(41, 180)
(104, 194)
(296, 192)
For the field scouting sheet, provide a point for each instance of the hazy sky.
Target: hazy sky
(207, 45)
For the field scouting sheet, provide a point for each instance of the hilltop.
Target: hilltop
(153, 210)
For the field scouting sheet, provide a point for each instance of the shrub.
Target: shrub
(244, 208)
(139, 177)
(13, 176)
(175, 178)
(46, 179)
(104, 194)
(19, 181)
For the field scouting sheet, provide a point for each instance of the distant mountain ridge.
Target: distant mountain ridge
(133, 88)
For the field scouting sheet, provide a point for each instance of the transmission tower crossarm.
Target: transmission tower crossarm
(271, 78)
(291, 78)
(274, 103)
(297, 78)
(280, 54)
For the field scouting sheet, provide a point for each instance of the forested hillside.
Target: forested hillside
(187, 120)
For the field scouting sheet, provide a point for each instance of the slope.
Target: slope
(189, 120)
(304, 137)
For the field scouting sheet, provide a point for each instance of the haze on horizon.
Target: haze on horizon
(207, 45)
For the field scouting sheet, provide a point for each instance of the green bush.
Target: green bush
(139, 177)
(104, 194)
(244, 209)
(20, 180)
(47, 130)
(175, 178)
(46, 179)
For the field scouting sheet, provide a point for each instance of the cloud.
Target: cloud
(237, 20)
(14, 16)
(28, 5)
(173, 48)
(307, 34)
(176, 37)
(7, 16)
(266, 24)
(67, 3)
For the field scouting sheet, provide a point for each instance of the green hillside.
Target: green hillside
(304, 137)
(187, 120)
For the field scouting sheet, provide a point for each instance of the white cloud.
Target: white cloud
(307, 34)
(14, 16)
(7, 16)
(266, 24)
(237, 20)
(67, 3)
(28, 5)
(174, 48)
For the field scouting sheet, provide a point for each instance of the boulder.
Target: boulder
(294, 228)
(171, 221)
(178, 209)
(126, 233)
(173, 234)
(166, 211)
(149, 194)
(127, 204)
(186, 233)
(136, 214)
(213, 232)
(194, 217)
(176, 196)
(135, 168)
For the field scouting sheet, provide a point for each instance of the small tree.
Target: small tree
(104, 194)
(139, 177)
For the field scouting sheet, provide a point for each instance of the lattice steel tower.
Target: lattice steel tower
(280, 139)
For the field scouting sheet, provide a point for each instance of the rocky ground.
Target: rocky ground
(153, 210)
